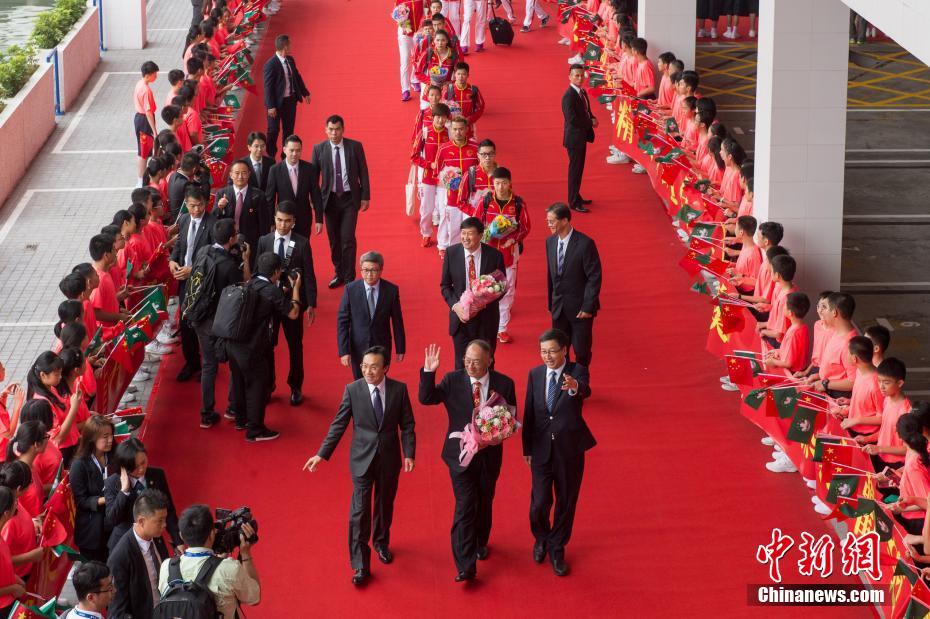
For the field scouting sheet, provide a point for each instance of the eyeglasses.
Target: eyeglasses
(372, 271)
(110, 589)
(550, 353)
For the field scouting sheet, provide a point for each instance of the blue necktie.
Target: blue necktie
(551, 392)
(281, 248)
(378, 406)
(560, 258)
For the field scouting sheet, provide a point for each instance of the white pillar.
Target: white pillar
(124, 24)
(668, 26)
(801, 131)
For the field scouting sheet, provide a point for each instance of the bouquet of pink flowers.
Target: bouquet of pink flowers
(450, 177)
(401, 15)
(484, 291)
(500, 227)
(490, 424)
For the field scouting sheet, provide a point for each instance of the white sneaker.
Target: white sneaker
(576, 59)
(777, 451)
(768, 441)
(128, 398)
(638, 169)
(131, 388)
(564, 41)
(682, 234)
(781, 465)
(752, 34)
(725, 378)
(815, 499)
(618, 158)
(156, 348)
(729, 34)
(613, 149)
(140, 378)
(729, 387)
(702, 33)
(166, 338)
(713, 33)
(822, 509)
(811, 483)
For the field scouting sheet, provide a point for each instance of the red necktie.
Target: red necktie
(472, 273)
(476, 393)
(240, 199)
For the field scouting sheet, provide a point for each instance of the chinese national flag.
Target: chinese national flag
(731, 318)
(739, 370)
(692, 262)
(670, 173)
(54, 531)
(836, 453)
(919, 604)
(146, 144)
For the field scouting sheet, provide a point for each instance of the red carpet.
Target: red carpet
(675, 499)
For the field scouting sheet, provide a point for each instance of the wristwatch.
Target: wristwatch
(826, 384)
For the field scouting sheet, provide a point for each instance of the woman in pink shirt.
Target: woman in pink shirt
(43, 382)
(733, 157)
(45, 466)
(19, 532)
(712, 165)
(915, 474)
(11, 585)
(29, 441)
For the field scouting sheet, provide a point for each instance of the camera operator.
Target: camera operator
(233, 581)
(296, 256)
(230, 263)
(248, 359)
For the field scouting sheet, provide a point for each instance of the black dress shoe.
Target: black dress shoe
(335, 282)
(465, 576)
(384, 555)
(296, 397)
(187, 373)
(539, 552)
(359, 577)
(583, 201)
(558, 564)
(482, 552)
(581, 209)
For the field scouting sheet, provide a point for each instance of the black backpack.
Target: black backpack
(235, 312)
(200, 291)
(188, 599)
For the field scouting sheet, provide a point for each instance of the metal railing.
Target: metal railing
(53, 58)
(99, 4)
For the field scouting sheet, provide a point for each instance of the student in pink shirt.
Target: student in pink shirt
(46, 463)
(749, 256)
(191, 119)
(733, 156)
(713, 165)
(835, 374)
(764, 291)
(881, 339)
(915, 474)
(172, 117)
(666, 93)
(773, 330)
(821, 334)
(11, 585)
(104, 298)
(863, 409)
(791, 356)
(885, 446)
(144, 120)
(746, 176)
(175, 80)
(644, 78)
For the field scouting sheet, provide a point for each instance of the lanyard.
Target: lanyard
(205, 553)
(80, 613)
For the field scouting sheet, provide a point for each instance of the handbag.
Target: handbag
(411, 191)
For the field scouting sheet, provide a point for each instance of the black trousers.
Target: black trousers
(251, 378)
(341, 217)
(379, 480)
(282, 123)
(474, 330)
(474, 497)
(190, 346)
(580, 332)
(209, 368)
(576, 157)
(294, 334)
(559, 478)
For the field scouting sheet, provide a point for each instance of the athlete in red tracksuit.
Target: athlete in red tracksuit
(441, 56)
(460, 153)
(476, 182)
(464, 98)
(425, 150)
(405, 32)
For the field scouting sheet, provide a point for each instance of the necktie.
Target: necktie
(339, 189)
(371, 302)
(191, 238)
(288, 88)
(281, 248)
(293, 173)
(153, 576)
(584, 100)
(560, 258)
(378, 406)
(551, 392)
(476, 393)
(472, 272)
(139, 487)
(258, 171)
(240, 201)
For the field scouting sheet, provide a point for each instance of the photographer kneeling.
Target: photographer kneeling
(233, 581)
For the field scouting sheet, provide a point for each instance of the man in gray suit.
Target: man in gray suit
(346, 191)
(378, 406)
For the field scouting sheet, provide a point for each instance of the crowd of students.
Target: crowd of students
(858, 391)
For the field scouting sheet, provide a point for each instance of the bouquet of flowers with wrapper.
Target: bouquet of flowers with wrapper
(477, 199)
(455, 109)
(438, 75)
(500, 228)
(450, 177)
(485, 290)
(490, 424)
(401, 15)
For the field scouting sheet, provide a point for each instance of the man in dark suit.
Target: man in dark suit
(378, 406)
(345, 191)
(135, 561)
(297, 181)
(573, 282)
(555, 437)
(473, 486)
(194, 231)
(259, 163)
(578, 131)
(462, 263)
(367, 312)
(188, 173)
(284, 89)
(295, 254)
(245, 204)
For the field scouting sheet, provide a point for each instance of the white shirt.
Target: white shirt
(150, 566)
(287, 242)
(191, 240)
(288, 89)
(563, 245)
(342, 160)
(485, 382)
(80, 613)
(381, 390)
(558, 380)
(477, 255)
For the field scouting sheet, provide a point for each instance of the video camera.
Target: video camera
(228, 525)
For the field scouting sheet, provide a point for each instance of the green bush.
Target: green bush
(52, 25)
(17, 64)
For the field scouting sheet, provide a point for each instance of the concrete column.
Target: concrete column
(800, 144)
(668, 26)
(124, 24)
